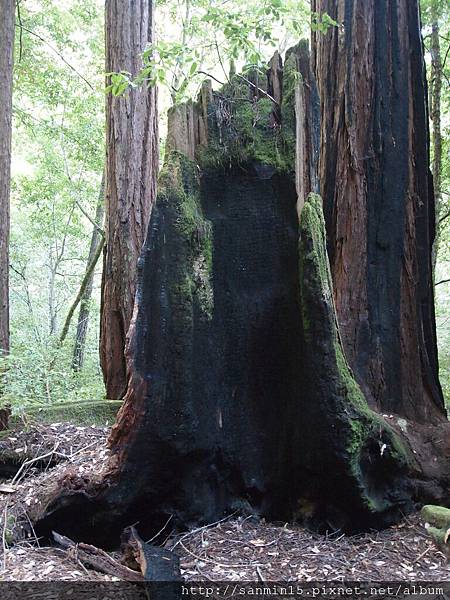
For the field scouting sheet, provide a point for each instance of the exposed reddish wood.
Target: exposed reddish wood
(7, 13)
(155, 563)
(307, 125)
(131, 549)
(131, 169)
(129, 418)
(378, 199)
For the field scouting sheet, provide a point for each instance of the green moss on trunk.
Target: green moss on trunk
(347, 433)
(247, 130)
(180, 190)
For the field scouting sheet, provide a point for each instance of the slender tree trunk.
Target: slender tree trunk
(378, 199)
(85, 282)
(7, 13)
(83, 316)
(51, 304)
(435, 97)
(131, 169)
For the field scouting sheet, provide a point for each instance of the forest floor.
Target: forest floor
(237, 548)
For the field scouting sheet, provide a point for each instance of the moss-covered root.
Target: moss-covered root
(366, 455)
(437, 523)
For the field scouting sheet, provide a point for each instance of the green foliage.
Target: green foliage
(39, 377)
(119, 83)
(438, 12)
(322, 22)
(210, 36)
(58, 150)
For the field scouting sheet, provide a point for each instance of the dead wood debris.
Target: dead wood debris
(97, 559)
(153, 562)
(81, 456)
(231, 549)
(28, 563)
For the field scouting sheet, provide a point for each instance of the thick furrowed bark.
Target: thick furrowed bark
(378, 200)
(436, 77)
(131, 170)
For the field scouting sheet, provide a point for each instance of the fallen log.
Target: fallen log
(97, 559)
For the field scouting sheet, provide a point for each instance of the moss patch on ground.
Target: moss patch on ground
(93, 412)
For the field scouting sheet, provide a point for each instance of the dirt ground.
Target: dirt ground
(235, 548)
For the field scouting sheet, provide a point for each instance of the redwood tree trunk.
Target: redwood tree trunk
(378, 199)
(131, 169)
(7, 13)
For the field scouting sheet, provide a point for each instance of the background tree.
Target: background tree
(435, 16)
(436, 77)
(97, 240)
(131, 169)
(7, 12)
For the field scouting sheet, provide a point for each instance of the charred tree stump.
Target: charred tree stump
(240, 395)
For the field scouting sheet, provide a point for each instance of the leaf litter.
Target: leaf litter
(234, 548)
